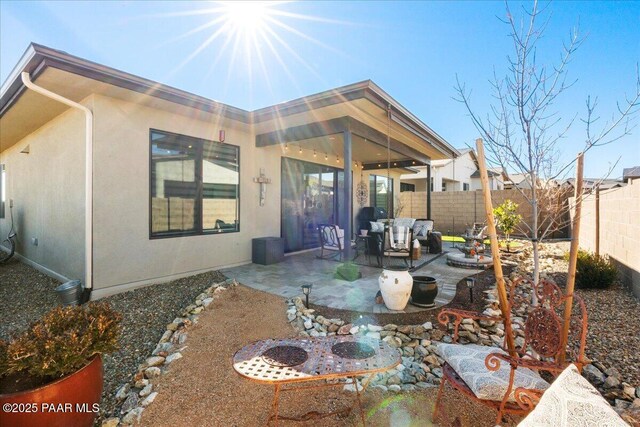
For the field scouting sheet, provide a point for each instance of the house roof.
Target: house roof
(37, 59)
(490, 173)
(590, 183)
(630, 173)
(461, 153)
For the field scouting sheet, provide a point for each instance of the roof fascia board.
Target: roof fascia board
(63, 61)
(322, 99)
(334, 126)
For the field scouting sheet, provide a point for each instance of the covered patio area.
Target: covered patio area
(286, 278)
(340, 151)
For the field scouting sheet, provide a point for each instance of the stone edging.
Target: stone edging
(421, 367)
(138, 393)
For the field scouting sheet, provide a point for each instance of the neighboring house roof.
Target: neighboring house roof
(517, 178)
(462, 152)
(38, 58)
(631, 173)
(490, 173)
(591, 183)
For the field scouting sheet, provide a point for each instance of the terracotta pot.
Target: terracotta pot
(424, 291)
(395, 286)
(71, 401)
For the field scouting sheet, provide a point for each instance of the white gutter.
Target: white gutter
(88, 191)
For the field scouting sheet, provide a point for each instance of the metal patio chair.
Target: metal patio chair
(332, 240)
(540, 351)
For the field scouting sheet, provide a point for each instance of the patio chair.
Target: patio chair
(424, 231)
(396, 243)
(332, 241)
(511, 384)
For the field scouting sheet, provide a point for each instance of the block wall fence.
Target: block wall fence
(453, 211)
(619, 229)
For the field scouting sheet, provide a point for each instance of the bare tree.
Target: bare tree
(523, 131)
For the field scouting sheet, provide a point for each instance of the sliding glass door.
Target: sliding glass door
(311, 195)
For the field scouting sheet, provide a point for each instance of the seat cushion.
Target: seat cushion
(468, 361)
(572, 401)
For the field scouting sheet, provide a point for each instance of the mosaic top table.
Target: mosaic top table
(297, 360)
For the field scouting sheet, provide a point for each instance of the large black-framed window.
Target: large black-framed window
(381, 192)
(194, 186)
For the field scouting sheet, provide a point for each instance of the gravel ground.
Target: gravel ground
(613, 337)
(614, 330)
(26, 295)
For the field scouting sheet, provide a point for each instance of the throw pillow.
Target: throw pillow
(468, 361)
(572, 401)
(404, 222)
(377, 227)
(425, 226)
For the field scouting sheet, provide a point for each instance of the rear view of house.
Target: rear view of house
(169, 188)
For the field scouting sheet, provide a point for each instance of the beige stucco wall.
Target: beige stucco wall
(47, 187)
(124, 255)
(619, 229)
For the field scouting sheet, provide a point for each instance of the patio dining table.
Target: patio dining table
(294, 361)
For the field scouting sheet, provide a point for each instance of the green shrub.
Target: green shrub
(62, 342)
(594, 271)
(507, 217)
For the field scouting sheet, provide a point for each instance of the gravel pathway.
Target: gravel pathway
(202, 388)
(145, 315)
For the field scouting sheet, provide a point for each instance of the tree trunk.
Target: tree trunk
(534, 239)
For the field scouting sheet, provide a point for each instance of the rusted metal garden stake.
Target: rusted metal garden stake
(495, 249)
(573, 257)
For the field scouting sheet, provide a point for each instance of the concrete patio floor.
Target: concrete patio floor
(286, 278)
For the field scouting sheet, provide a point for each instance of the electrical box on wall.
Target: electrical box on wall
(34, 241)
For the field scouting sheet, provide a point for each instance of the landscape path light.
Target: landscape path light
(306, 290)
(470, 284)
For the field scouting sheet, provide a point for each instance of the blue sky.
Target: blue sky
(413, 50)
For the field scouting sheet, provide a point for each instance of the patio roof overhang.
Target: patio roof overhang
(362, 109)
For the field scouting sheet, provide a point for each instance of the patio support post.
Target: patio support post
(348, 194)
(429, 191)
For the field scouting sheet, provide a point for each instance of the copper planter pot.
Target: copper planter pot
(71, 401)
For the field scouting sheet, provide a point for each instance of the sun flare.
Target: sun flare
(246, 17)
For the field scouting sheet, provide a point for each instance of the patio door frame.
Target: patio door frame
(337, 192)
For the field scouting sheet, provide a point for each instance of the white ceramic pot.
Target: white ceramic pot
(364, 232)
(395, 286)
